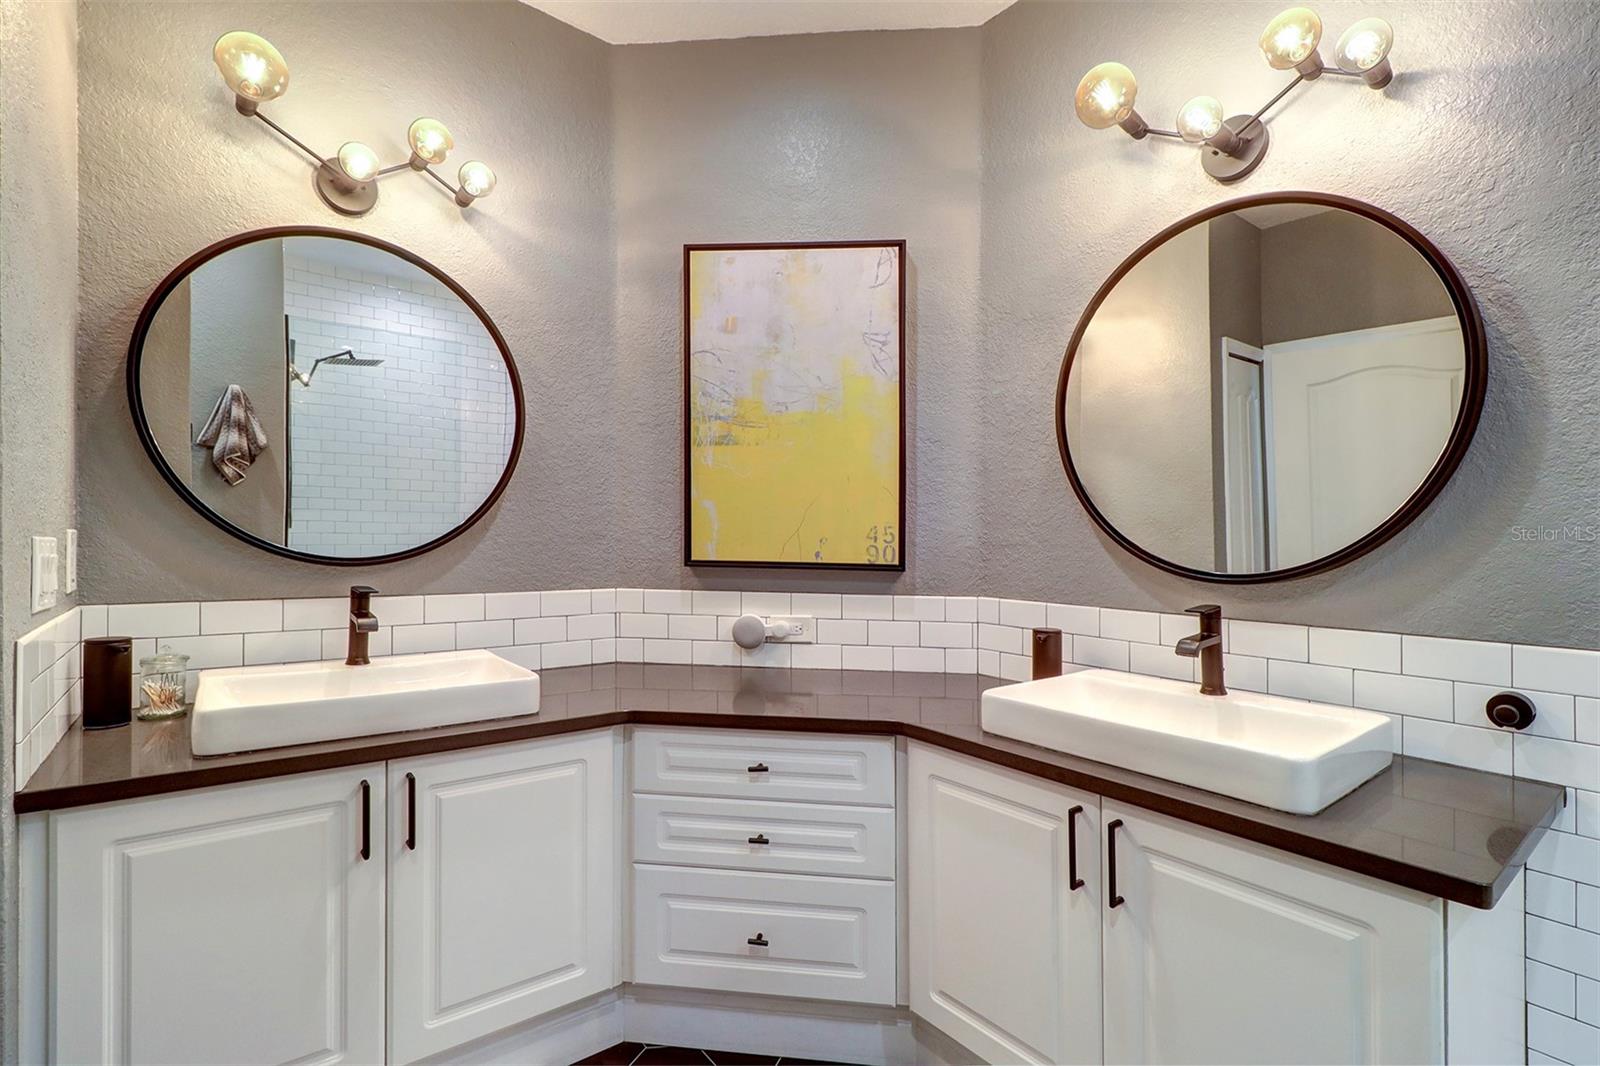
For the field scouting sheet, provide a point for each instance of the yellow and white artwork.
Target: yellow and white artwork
(793, 363)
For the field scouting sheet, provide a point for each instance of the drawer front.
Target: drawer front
(802, 838)
(817, 937)
(779, 766)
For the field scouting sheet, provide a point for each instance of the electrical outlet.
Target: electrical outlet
(802, 628)
(45, 566)
(69, 583)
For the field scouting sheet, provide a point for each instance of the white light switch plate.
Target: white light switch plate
(802, 628)
(45, 567)
(69, 583)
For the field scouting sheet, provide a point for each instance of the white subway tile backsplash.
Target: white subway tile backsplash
(1245, 672)
(1309, 681)
(691, 627)
(1355, 648)
(1587, 910)
(630, 600)
(1158, 660)
(603, 601)
(155, 619)
(767, 655)
(817, 657)
(1586, 719)
(1566, 1039)
(1552, 989)
(1458, 660)
(566, 602)
(643, 625)
(492, 633)
(524, 655)
(92, 621)
(1564, 947)
(605, 650)
(818, 604)
(630, 650)
(1099, 651)
(1016, 667)
(566, 653)
(989, 610)
(713, 653)
(1422, 697)
(1072, 619)
(1576, 858)
(961, 608)
(207, 653)
(893, 634)
(1270, 640)
(842, 630)
(298, 646)
(1586, 813)
(856, 657)
(414, 640)
(1568, 670)
(765, 603)
(1562, 761)
(947, 634)
(1141, 626)
(1589, 1001)
(457, 607)
(241, 616)
(511, 605)
(598, 626)
(327, 613)
(988, 663)
(857, 606)
(1550, 897)
(1480, 749)
(540, 630)
(391, 610)
(1005, 639)
(919, 608)
(707, 601)
(1025, 614)
(961, 661)
(668, 651)
(919, 660)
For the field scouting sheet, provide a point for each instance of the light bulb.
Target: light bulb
(476, 178)
(1291, 38)
(1200, 119)
(430, 140)
(358, 162)
(1105, 96)
(1364, 49)
(253, 69)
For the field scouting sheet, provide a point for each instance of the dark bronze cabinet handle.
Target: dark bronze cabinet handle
(1074, 882)
(758, 941)
(411, 812)
(759, 838)
(366, 821)
(1111, 862)
(758, 768)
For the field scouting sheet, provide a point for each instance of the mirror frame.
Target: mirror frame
(1475, 386)
(146, 437)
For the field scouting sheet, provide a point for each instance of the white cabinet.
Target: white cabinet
(237, 924)
(1005, 911)
(749, 764)
(761, 835)
(501, 888)
(1221, 951)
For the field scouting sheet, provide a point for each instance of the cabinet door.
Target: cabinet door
(1005, 952)
(239, 924)
(1226, 952)
(500, 888)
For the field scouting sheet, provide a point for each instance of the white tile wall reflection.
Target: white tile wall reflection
(1434, 687)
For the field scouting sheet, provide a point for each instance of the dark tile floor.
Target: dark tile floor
(632, 1054)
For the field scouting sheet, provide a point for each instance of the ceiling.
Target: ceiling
(654, 21)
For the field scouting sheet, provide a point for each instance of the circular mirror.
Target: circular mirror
(325, 396)
(1270, 388)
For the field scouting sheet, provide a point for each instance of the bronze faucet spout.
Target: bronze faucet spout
(363, 623)
(1206, 645)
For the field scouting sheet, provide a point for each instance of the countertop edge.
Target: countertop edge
(405, 745)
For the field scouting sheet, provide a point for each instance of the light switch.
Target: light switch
(69, 583)
(45, 566)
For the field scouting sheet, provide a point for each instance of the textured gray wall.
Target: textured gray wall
(168, 167)
(38, 314)
(824, 137)
(1453, 146)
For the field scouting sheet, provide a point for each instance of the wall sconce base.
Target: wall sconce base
(338, 192)
(1252, 149)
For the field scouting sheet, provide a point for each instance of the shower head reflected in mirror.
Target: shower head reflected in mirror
(346, 357)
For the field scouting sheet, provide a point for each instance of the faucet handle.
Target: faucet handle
(1205, 609)
(364, 590)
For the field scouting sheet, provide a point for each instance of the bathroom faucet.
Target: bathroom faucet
(363, 623)
(1206, 645)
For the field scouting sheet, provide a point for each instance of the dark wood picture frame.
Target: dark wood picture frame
(147, 437)
(899, 565)
(1474, 389)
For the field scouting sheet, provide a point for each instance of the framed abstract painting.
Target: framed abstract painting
(794, 405)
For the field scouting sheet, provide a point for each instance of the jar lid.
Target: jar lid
(164, 661)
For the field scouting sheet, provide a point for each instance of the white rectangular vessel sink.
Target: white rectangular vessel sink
(1286, 754)
(254, 707)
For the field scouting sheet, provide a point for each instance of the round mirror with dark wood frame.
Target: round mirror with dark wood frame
(325, 396)
(1270, 388)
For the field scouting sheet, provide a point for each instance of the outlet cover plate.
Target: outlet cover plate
(46, 563)
(69, 583)
(802, 628)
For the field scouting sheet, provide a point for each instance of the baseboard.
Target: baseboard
(722, 1021)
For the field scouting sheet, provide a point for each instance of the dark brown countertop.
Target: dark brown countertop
(1444, 830)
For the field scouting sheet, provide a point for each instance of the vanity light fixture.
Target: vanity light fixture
(1234, 146)
(257, 73)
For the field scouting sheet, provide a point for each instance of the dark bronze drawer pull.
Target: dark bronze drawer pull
(758, 768)
(411, 812)
(1074, 882)
(758, 941)
(1111, 862)
(366, 821)
(759, 838)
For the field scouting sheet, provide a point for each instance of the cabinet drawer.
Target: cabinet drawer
(804, 838)
(780, 766)
(820, 937)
